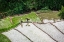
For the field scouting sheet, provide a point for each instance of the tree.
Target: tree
(21, 6)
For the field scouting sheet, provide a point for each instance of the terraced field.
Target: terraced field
(49, 32)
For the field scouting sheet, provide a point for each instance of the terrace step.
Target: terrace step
(37, 33)
(34, 33)
(52, 31)
(60, 25)
(15, 36)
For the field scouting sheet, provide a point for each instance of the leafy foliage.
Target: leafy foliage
(12, 7)
(62, 13)
(26, 5)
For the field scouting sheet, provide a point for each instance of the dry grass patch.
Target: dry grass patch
(49, 15)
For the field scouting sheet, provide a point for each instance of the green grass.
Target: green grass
(3, 38)
(5, 23)
(32, 16)
(43, 11)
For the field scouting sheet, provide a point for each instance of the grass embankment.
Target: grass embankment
(3, 38)
(5, 23)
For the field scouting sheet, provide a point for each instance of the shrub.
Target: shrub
(45, 8)
(62, 13)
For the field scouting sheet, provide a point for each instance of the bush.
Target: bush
(45, 8)
(62, 13)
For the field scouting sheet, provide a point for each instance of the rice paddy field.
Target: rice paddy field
(35, 32)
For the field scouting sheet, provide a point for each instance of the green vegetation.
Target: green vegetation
(61, 14)
(20, 5)
(12, 7)
(3, 38)
(5, 23)
(44, 10)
